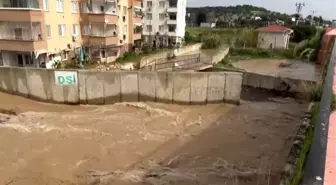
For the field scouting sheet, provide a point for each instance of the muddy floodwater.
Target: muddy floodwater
(295, 69)
(147, 143)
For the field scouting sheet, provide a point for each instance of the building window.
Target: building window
(86, 29)
(18, 33)
(74, 7)
(149, 4)
(125, 29)
(162, 16)
(28, 60)
(125, 10)
(46, 4)
(149, 16)
(171, 28)
(48, 31)
(75, 29)
(102, 9)
(161, 28)
(162, 4)
(60, 5)
(61, 30)
(149, 28)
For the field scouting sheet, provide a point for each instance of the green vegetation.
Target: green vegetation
(298, 171)
(333, 103)
(211, 41)
(262, 53)
(244, 16)
(302, 32)
(244, 37)
(129, 57)
(308, 48)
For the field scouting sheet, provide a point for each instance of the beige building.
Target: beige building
(36, 33)
(274, 36)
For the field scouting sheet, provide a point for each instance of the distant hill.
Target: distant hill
(236, 14)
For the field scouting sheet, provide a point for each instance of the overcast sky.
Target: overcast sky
(326, 8)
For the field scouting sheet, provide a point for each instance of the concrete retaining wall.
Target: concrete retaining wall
(162, 55)
(111, 87)
(276, 83)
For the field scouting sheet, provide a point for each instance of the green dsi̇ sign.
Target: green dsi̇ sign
(66, 77)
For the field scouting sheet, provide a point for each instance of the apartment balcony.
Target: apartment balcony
(172, 21)
(102, 18)
(20, 10)
(137, 32)
(100, 11)
(103, 40)
(137, 3)
(172, 9)
(101, 34)
(21, 36)
(171, 33)
(137, 20)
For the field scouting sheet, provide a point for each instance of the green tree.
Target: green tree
(201, 17)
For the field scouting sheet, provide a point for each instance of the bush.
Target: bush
(300, 47)
(146, 48)
(128, 57)
(211, 41)
(262, 53)
(302, 32)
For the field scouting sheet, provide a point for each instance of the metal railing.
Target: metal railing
(316, 161)
(180, 63)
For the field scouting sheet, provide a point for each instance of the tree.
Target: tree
(201, 17)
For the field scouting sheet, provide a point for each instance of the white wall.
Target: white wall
(156, 10)
(277, 39)
(181, 17)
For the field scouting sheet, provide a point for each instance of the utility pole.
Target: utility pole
(312, 17)
(299, 7)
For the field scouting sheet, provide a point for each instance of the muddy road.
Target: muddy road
(147, 143)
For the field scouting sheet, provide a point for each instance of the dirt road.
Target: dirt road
(147, 143)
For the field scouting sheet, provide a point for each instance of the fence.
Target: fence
(89, 87)
(181, 63)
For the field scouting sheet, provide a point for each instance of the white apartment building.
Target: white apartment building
(164, 21)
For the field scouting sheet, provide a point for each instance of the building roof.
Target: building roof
(275, 28)
(331, 31)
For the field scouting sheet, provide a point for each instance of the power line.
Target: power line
(299, 7)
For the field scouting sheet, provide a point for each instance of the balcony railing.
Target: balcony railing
(100, 31)
(20, 31)
(25, 4)
(99, 8)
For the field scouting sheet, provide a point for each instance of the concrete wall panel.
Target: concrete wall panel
(56, 90)
(19, 77)
(216, 87)
(94, 86)
(129, 86)
(147, 87)
(233, 87)
(199, 85)
(164, 87)
(181, 90)
(68, 94)
(6, 80)
(39, 84)
(112, 87)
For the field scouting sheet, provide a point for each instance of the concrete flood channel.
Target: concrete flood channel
(148, 143)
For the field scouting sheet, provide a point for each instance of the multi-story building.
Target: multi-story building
(164, 21)
(37, 33)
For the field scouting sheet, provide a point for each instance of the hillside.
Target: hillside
(237, 16)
